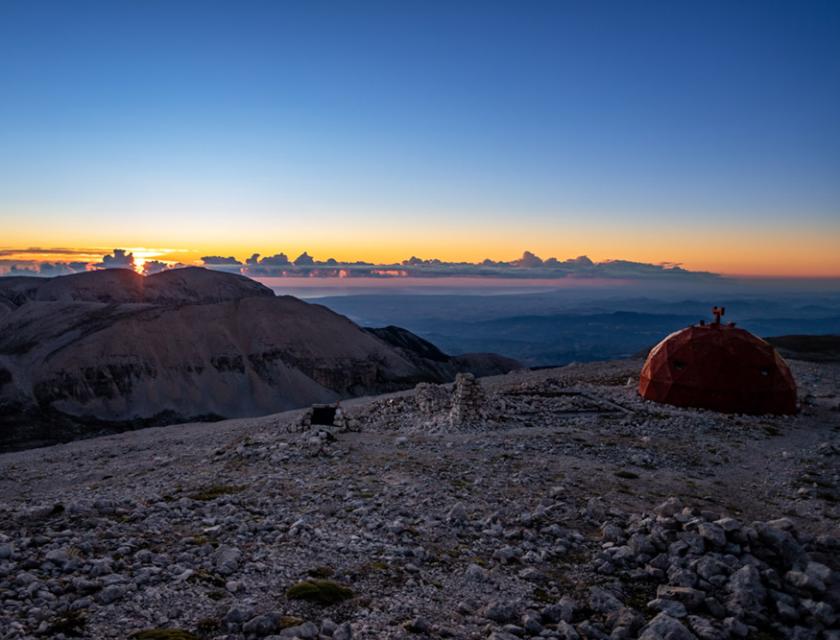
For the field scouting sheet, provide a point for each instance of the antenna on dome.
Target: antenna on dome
(717, 312)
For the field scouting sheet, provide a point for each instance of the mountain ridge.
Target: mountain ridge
(80, 354)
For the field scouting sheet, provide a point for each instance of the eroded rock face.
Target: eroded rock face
(437, 365)
(245, 357)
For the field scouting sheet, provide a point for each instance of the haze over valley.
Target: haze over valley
(568, 325)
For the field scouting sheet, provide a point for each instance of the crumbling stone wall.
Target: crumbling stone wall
(468, 402)
(431, 399)
(438, 409)
(341, 421)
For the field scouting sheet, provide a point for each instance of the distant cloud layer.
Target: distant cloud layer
(154, 266)
(31, 261)
(5, 253)
(528, 266)
(45, 262)
(216, 261)
(119, 259)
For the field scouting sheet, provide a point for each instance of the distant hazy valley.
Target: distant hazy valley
(553, 328)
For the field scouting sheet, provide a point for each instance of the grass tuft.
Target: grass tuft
(71, 625)
(215, 491)
(323, 592)
(289, 621)
(627, 475)
(320, 572)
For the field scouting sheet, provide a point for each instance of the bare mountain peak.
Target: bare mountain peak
(190, 285)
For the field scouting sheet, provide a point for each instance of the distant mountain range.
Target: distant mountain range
(542, 329)
(825, 348)
(111, 349)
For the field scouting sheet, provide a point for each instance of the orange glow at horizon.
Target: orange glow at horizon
(739, 251)
(743, 263)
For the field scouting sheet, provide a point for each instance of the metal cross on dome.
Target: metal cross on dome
(718, 312)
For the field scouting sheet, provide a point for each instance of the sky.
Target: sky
(700, 133)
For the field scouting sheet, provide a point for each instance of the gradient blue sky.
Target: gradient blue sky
(698, 132)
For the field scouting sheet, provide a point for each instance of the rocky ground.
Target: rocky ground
(550, 504)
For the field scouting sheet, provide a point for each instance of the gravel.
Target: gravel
(552, 504)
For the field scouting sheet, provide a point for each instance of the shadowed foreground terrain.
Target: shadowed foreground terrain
(559, 327)
(536, 504)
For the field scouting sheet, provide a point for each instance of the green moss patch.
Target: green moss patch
(324, 592)
(215, 491)
(627, 475)
(289, 621)
(71, 625)
(209, 578)
(208, 625)
(320, 572)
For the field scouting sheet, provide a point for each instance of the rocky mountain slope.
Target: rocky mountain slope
(106, 349)
(823, 348)
(426, 356)
(178, 286)
(539, 504)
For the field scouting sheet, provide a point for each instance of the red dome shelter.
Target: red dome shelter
(720, 367)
